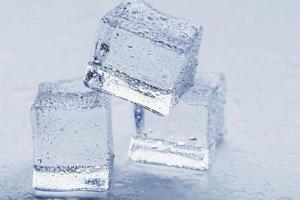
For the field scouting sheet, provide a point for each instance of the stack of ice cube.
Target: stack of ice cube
(145, 57)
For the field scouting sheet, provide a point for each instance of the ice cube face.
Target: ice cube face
(188, 137)
(144, 56)
(72, 139)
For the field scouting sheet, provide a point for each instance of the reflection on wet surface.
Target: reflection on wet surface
(131, 181)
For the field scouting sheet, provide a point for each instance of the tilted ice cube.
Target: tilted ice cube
(72, 139)
(187, 138)
(144, 56)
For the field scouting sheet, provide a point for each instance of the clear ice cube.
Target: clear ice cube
(188, 137)
(144, 56)
(72, 139)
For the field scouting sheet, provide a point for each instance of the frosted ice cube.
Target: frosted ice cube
(144, 56)
(72, 139)
(187, 138)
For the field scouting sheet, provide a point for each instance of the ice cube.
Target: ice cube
(72, 139)
(144, 56)
(188, 137)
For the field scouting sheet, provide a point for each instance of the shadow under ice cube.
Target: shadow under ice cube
(144, 56)
(72, 139)
(188, 137)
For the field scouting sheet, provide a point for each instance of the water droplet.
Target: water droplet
(163, 18)
(78, 170)
(150, 18)
(134, 12)
(180, 143)
(183, 35)
(158, 94)
(97, 167)
(202, 169)
(201, 157)
(141, 34)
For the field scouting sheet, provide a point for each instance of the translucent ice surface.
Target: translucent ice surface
(71, 127)
(187, 138)
(144, 56)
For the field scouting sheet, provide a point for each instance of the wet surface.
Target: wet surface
(256, 45)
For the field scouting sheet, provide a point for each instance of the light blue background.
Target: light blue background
(255, 43)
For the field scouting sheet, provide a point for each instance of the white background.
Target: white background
(255, 43)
